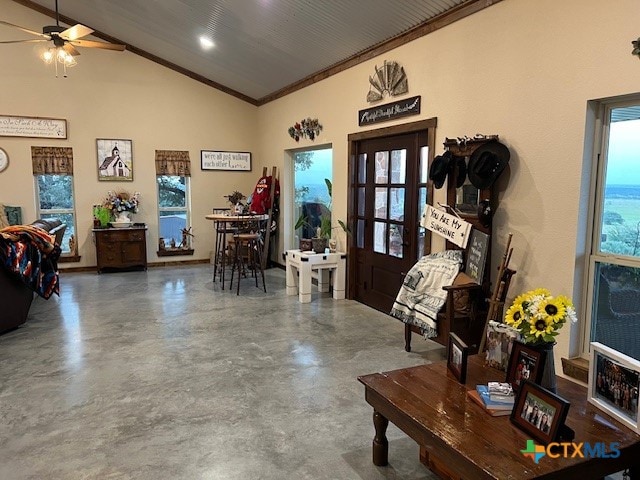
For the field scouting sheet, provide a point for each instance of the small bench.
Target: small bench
(303, 266)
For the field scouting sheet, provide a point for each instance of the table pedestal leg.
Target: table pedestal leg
(304, 283)
(292, 278)
(323, 279)
(380, 442)
(339, 280)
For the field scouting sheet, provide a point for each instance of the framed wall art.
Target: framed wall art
(115, 160)
(614, 379)
(539, 412)
(233, 161)
(525, 363)
(32, 127)
(457, 354)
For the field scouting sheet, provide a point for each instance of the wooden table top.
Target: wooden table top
(221, 217)
(432, 407)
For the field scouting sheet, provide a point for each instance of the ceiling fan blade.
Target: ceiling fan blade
(75, 32)
(92, 44)
(70, 49)
(25, 41)
(2, 22)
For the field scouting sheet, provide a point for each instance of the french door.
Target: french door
(389, 176)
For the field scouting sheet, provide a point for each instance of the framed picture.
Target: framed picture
(614, 379)
(458, 351)
(539, 412)
(500, 340)
(115, 160)
(34, 127)
(525, 363)
(234, 161)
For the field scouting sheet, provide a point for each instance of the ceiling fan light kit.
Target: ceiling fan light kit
(65, 41)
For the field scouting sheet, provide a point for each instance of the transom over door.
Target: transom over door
(391, 175)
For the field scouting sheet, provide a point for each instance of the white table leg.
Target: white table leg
(339, 280)
(304, 282)
(323, 279)
(292, 277)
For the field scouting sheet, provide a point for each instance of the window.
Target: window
(53, 174)
(614, 261)
(312, 200)
(173, 203)
(173, 169)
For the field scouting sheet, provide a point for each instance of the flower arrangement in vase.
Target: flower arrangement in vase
(538, 317)
(121, 204)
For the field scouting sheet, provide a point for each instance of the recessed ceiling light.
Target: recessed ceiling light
(206, 43)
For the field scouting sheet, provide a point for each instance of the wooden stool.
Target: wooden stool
(223, 229)
(252, 243)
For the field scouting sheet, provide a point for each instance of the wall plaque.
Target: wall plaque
(35, 127)
(389, 111)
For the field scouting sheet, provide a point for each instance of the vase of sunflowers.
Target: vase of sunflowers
(538, 316)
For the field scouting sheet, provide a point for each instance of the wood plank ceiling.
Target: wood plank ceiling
(263, 49)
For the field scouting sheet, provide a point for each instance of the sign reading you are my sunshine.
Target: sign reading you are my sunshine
(238, 161)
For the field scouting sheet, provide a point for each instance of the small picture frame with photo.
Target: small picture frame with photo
(540, 413)
(457, 355)
(614, 380)
(499, 342)
(525, 363)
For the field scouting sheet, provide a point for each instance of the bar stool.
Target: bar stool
(249, 242)
(221, 252)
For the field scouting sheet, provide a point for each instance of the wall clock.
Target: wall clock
(4, 160)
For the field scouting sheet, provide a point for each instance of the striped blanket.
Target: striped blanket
(421, 295)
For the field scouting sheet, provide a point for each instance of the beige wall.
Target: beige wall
(120, 95)
(522, 69)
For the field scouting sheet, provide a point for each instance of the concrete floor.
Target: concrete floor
(161, 375)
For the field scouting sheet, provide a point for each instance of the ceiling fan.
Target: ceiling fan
(65, 41)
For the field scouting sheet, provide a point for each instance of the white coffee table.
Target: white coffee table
(301, 267)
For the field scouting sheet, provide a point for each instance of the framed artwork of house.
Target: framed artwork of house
(115, 160)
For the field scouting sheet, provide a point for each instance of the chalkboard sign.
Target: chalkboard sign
(477, 250)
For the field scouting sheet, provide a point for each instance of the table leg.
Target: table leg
(339, 280)
(291, 277)
(323, 279)
(304, 282)
(380, 442)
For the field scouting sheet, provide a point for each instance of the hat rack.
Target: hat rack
(464, 146)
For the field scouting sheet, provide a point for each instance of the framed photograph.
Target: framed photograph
(233, 161)
(539, 412)
(500, 340)
(115, 160)
(458, 351)
(614, 379)
(525, 363)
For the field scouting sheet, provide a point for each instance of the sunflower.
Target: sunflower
(541, 327)
(515, 315)
(543, 292)
(552, 309)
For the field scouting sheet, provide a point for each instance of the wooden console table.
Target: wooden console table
(459, 440)
(120, 248)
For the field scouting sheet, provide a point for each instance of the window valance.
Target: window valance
(52, 160)
(173, 162)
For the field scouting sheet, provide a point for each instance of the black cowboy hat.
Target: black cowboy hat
(440, 168)
(461, 174)
(487, 163)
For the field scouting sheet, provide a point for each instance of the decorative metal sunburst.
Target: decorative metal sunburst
(636, 47)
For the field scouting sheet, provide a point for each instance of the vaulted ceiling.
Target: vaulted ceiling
(262, 49)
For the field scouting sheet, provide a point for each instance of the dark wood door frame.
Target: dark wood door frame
(429, 125)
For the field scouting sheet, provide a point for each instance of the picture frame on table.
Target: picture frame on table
(539, 412)
(614, 381)
(457, 356)
(526, 362)
(115, 160)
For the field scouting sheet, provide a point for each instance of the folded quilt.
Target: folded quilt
(421, 296)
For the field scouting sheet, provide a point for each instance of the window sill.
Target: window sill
(174, 252)
(577, 368)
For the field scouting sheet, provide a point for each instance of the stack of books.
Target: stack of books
(496, 398)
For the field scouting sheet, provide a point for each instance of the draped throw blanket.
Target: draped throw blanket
(421, 295)
(29, 253)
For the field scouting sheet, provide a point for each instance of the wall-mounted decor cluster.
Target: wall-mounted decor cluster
(306, 128)
(389, 79)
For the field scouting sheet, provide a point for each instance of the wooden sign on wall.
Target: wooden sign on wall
(389, 111)
(33, 127)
